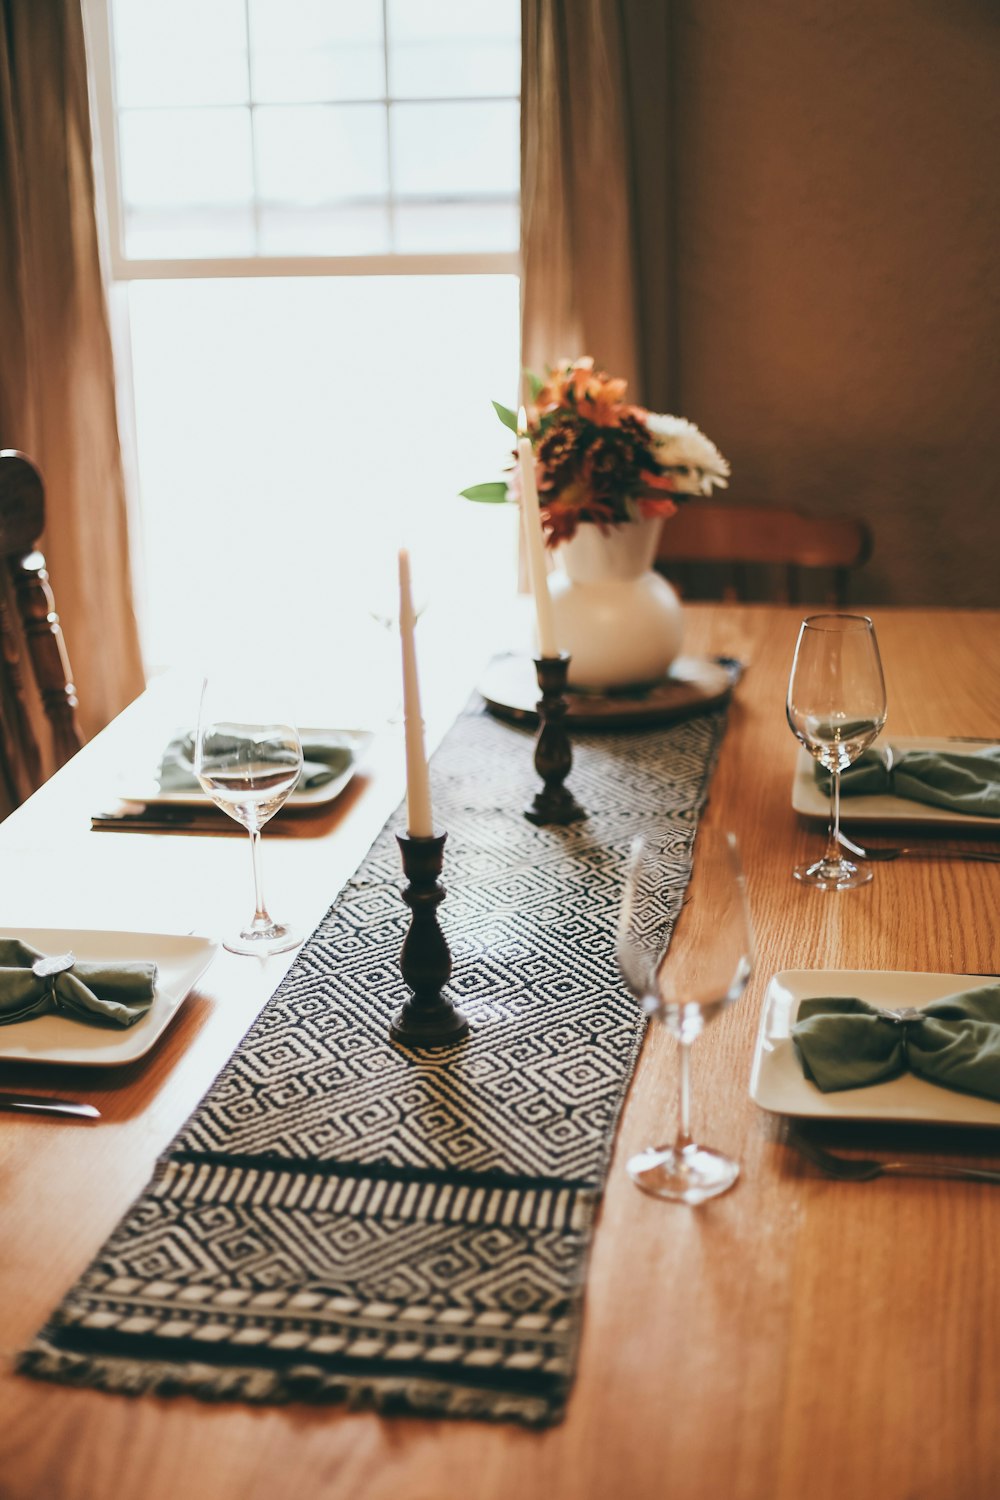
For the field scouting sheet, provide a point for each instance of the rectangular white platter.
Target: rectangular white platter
(778, 1084)
(180, 963)
(808, 799)
(131, 787)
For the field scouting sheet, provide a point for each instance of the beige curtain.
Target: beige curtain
(57, 400)
(597, 190)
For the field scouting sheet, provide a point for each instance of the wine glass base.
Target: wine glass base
(832, 875)
(277, 938)
(688, 1176)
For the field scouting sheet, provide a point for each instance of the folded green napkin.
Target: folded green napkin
(107, 994)
(965, 781)
(321, 763)
(954, 1042)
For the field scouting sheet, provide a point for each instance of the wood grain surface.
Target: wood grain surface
(795, 1338)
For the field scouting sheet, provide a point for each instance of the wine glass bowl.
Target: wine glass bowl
(248, 759)
(836, 708)
(685, 967)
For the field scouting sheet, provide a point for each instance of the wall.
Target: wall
(836, 275)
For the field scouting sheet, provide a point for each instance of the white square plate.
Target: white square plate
(808, 799)
(777, 1082)
(145, 789)
(180, 963)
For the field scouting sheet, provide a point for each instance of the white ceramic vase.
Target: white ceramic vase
(620, 621)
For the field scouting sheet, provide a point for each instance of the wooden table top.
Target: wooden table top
(794, 1337)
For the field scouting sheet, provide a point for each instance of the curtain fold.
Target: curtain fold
(57, 396)
(597, 155)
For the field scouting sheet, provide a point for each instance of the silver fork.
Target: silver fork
(863, 1169)
(890, 851)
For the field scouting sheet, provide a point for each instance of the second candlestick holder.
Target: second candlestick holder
(554, 803)
(429, 1018)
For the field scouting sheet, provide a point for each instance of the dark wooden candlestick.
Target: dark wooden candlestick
(429, 1019)
(555, 803)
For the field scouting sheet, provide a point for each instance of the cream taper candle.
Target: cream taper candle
(535, 543)
(420, 822)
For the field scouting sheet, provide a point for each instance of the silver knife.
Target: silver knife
(43, 1105)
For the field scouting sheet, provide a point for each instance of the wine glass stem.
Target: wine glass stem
(683, 1139)
(833, 854)
(260, 918)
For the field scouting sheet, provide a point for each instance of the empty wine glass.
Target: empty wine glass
(248, 757)
(685, 980)
(836, 707)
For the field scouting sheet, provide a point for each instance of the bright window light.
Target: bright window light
(294, 433)
(228, 112)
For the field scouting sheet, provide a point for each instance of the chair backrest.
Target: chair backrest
(763, 551)
(36, 684)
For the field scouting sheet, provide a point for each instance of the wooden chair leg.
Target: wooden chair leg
(20, 749)
(47, 649)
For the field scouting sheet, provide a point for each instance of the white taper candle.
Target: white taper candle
(534, 543)
(420, 822)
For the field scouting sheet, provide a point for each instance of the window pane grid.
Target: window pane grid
(305, 122)
(391, 191)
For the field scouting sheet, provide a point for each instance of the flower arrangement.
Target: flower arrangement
(600, 459)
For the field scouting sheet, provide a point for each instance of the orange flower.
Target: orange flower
(560, 518)
(659, 481)
(650, 505)
(579, 376)
(593, 394)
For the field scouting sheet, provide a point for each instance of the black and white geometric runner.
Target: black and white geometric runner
(343, 1218)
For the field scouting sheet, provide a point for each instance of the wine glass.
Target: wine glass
(836, 707)
(248, 757)
(685, 980)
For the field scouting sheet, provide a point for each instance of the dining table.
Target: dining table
(796, 1336)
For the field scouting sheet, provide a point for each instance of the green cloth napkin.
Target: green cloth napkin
(965, 781)
(106, 994)
(955, 1042)
(322, 762)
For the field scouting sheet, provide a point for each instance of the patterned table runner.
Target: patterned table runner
(345, 1219)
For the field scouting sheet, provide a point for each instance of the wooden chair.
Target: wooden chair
(739, 552)
(38, 728)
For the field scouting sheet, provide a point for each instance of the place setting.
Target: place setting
(87, 998)
(170, 797)
(89, 980)
(876, 1074)
(871, 1046)
(80, 998)
(941, 790)
(855, 1045)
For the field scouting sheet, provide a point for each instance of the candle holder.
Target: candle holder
(555, 803)
(429, 1019)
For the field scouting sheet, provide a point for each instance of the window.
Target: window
(313, 219)
(310, 128)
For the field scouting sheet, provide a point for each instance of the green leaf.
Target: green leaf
(494, 493)
(534, 384)
(507, 417)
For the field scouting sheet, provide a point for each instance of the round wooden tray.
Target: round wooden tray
(693, 683)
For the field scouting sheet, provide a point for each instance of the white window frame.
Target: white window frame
(125, 268)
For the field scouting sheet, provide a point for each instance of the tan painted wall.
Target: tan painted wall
(838, 277)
